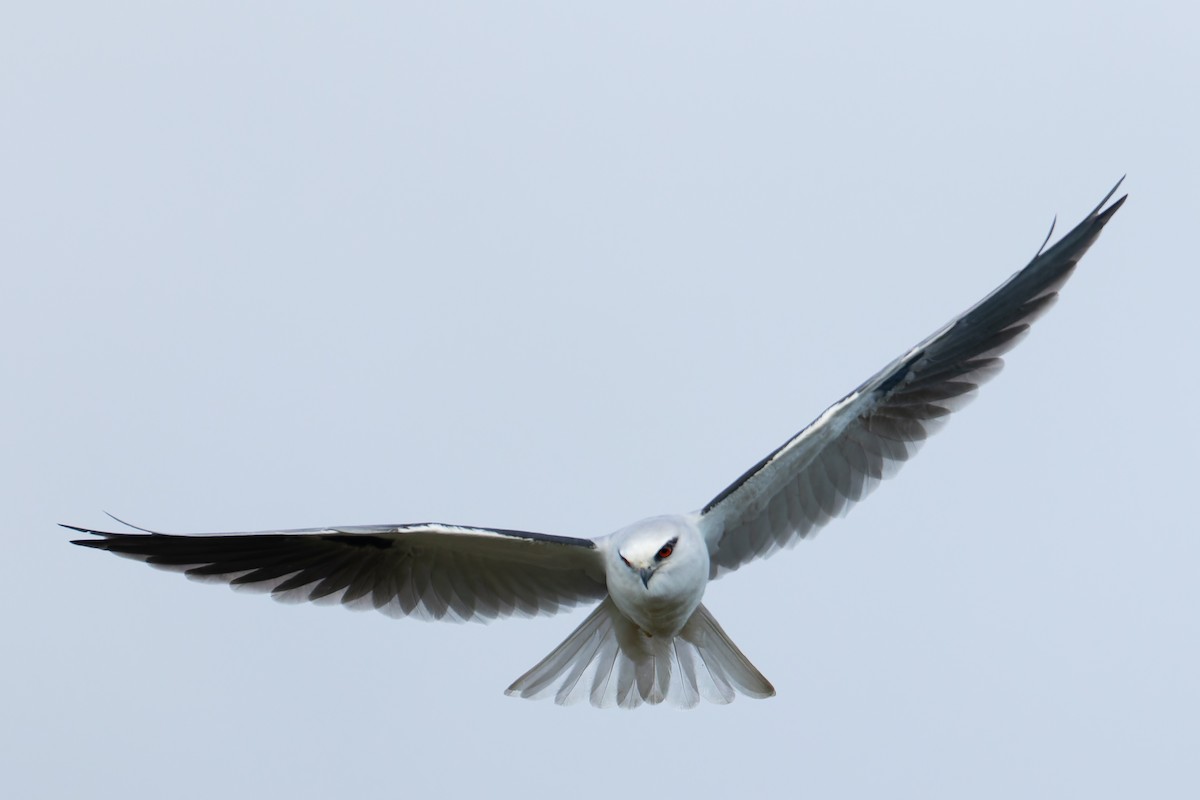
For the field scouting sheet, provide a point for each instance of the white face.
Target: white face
(647, 551)
(647, 557)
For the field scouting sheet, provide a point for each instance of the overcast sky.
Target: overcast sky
(545, 268)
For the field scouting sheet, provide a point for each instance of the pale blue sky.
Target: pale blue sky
(540, 267)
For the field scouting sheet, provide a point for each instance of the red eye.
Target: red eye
(666, 551)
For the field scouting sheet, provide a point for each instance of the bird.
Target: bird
(650, 639)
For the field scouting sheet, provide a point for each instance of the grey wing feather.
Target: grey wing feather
(430, 570)
(864, 437)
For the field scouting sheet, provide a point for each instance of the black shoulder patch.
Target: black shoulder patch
(570, 541)
(360, 540)
(900, 374)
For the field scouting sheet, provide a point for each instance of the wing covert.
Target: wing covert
(428, 570)
(865, 437)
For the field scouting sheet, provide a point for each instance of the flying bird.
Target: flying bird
(650, 638)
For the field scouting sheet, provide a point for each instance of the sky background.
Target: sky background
(556, 268)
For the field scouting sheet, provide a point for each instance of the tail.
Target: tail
(611, 662)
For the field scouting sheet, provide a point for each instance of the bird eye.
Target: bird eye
(666, 551)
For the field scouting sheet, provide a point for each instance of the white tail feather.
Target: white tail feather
(608, 660)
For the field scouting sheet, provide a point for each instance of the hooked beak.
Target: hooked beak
(646, 573)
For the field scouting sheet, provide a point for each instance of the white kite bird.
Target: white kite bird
(650, 638)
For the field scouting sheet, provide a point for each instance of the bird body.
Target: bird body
(650, 639)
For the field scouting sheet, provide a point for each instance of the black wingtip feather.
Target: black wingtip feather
(97, 543)
(1115, 206)
(1102, 218)
(115, 518)
(1049, 233)
(78, 529)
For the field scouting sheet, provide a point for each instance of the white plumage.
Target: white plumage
(650, 638)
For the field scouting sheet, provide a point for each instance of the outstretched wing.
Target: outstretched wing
(429, 570)
(818, 473)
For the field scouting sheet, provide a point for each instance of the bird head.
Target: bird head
(647, 553)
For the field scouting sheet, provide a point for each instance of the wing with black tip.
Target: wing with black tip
(430, 570)
(864, 437)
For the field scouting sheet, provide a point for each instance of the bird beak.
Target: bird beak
(646, 572)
